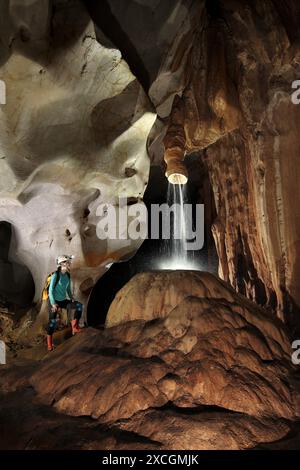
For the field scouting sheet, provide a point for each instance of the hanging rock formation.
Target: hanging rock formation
(237, 62)
(220, 78)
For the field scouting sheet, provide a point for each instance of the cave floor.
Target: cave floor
(27, 423)
(30, 425)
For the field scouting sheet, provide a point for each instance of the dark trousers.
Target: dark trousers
(55, 316)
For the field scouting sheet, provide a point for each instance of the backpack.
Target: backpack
(45, 293)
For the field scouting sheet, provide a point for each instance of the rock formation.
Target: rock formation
(224, 89)
(220, 80)
(212, 369)
(236, 104)
(95, 93)
(73, 136)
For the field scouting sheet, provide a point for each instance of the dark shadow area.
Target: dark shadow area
(103, 17)
(289, 13)
(142, 30)
(157, 254)
(196, 410)
(16, 283)
(29, 424)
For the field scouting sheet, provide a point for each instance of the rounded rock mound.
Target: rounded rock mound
(189, 364)
(155, 294)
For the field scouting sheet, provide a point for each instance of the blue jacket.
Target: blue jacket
(62, 288)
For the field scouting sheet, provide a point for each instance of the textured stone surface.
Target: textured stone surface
(257, 197)
(73, 136)
(185, 361)
(34, 426)
(155, 294)
(215, 430)
(236, 102)
(233, 106)
(214, 372)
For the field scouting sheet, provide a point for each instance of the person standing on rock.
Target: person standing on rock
(59, 290)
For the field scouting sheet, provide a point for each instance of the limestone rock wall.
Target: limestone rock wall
(77, 120)
(72, 136)
(235, 105)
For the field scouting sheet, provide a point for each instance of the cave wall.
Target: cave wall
(72, 136)
(236, 108)
(218, 75)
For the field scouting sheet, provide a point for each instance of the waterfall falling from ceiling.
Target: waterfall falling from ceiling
(175, 251)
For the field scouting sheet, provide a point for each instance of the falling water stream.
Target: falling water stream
(178, 246)
(178, 250)
(175, 254)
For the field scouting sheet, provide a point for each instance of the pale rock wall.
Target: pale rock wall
(72, 135)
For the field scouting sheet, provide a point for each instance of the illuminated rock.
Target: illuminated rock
(233, 105)
(213, 348)
(75, 122)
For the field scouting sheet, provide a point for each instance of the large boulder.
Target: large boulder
(155, 294)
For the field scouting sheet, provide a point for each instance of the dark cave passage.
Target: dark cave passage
(16, 282)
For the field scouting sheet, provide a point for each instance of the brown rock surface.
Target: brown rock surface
(214, 372)
(237, 61)
(213, 430)
(220, 80)
(155, 294)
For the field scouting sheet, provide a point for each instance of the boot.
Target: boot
(49, 343)
(75, 327)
